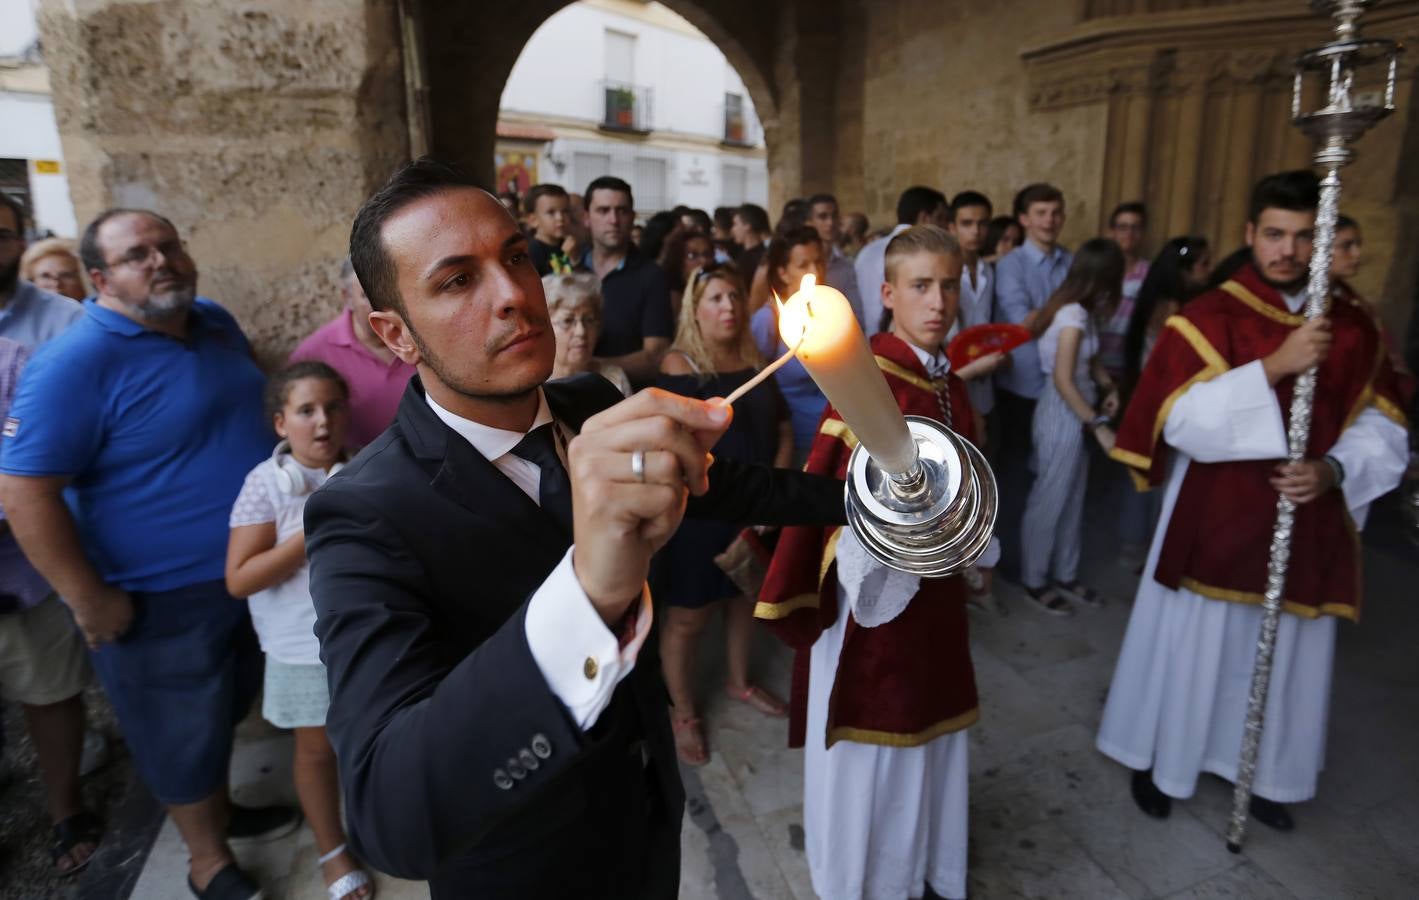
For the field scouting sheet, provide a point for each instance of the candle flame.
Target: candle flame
(794, 313)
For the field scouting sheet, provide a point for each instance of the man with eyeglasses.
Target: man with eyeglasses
(1128, 226)
(145, 417)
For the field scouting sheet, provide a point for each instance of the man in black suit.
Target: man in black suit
(479, 576)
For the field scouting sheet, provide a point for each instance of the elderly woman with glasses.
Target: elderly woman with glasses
(53, 265)
(574, 305)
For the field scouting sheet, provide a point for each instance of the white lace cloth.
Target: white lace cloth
(875, 593)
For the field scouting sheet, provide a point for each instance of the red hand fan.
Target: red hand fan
(981, 340)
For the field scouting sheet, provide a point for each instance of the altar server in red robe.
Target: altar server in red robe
(1207, 423)
(883, 683)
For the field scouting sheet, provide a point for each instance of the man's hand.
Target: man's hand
(619, 522)
(978, 368)
(103, 617)
(1303, 481)
(1307, 346)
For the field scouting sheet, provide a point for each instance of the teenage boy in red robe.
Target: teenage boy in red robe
(883, 683)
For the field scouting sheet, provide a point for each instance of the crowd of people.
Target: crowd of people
(173, 534)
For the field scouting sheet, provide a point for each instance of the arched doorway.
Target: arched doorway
(634, 91)
(466, 57)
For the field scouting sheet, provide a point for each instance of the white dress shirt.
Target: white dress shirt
(977, 308)
(575, 651)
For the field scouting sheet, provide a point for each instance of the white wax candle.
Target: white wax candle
(835, 352)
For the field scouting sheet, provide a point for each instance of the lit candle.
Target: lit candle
(818, 320)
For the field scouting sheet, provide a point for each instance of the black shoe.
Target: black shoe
(1271, 814)
(262, 823)
(1149, 799)
(230, 883)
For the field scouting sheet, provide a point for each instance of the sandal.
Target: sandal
(761, 700)
(231, 883)
(689, 741)
(80, 828)
(1048, 601)
(350, 883)
(1082, 593)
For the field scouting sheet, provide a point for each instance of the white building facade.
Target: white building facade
(31, 162)
(616, 87)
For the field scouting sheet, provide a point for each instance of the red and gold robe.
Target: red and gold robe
(902, 683)
(1218, 537)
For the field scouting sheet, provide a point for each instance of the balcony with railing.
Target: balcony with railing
(627, 107)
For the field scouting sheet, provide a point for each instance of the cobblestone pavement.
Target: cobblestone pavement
(1050, 816)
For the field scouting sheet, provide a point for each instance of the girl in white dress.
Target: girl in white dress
(309, 406)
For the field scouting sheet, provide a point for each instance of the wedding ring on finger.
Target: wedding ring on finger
(638, 465)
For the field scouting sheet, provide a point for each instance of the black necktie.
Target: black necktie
(554, 494)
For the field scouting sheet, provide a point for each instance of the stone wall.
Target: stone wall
(1180, 103)
(943, 100)
(257, 127)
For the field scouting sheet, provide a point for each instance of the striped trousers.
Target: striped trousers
(1050, 534)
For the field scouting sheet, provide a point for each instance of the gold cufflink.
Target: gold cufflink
(590, 668)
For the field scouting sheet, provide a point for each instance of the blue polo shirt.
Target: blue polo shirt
(157, 434)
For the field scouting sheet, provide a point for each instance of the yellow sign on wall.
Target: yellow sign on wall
(46, 167)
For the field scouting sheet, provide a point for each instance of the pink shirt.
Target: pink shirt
(375, 385)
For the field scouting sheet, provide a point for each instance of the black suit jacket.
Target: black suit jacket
(422, 559)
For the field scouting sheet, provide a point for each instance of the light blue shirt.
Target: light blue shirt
(33, 316)
(1024, 280)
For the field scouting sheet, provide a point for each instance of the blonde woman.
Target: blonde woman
(53, 265)
(713, 354)
(574, 305)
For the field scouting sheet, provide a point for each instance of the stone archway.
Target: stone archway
(463, 58)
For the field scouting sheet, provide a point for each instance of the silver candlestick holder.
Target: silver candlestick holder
(933, 520)
(1334, 127)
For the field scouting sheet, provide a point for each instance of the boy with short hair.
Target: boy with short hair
(883, 683)
(1025, 278)
(970, 218)
(548, 210)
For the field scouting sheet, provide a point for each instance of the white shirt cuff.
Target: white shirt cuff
(575, 651)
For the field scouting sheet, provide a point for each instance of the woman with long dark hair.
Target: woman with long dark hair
(1002, 235)
(684, 251)
(1176, 275)
(1069, 342)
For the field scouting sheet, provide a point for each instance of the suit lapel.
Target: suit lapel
(468, 478)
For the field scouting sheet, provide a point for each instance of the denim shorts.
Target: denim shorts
(180, 680)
